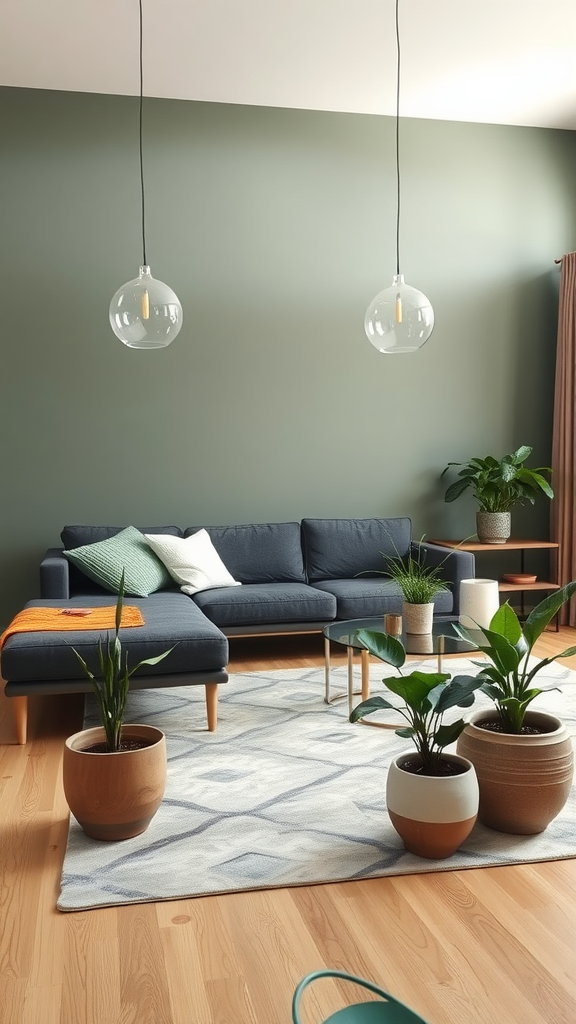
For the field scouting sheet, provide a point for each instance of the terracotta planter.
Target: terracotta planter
(433, 815)
(115, 796)
(493, 527)
(524, 779)
(417, 618)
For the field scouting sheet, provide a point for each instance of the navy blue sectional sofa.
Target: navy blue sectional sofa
(294, 578)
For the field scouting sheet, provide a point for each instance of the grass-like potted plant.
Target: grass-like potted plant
(523, 758)
(498, 485)
(431, 795)
(114, 775)
(419, 584)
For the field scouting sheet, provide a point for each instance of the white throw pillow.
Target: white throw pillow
(192, 561)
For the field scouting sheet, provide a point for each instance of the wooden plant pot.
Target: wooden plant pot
(417, 618)
(433, 815)
(115, 796)
(524, 780)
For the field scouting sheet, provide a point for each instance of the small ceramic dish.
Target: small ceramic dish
(519, 577)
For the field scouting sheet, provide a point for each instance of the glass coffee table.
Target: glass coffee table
(443, 640)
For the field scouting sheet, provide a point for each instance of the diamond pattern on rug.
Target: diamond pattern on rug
(285, 792)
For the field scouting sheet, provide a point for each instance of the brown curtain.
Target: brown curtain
(562, 525)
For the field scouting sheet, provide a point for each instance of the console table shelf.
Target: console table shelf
(521, 546)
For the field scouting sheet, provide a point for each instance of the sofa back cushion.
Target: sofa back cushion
(77, 536)
(342, 548)
(259, 553)
(126, 554)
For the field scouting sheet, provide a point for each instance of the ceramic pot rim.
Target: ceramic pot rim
(411, 753)
(530, 718)
(86, 737)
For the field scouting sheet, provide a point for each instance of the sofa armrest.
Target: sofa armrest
(456, 566)
(55, 575)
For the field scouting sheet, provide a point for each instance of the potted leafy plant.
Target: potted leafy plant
(497, 486)
(114, 775)
(431, 795)
(419, 584)
(523, 758)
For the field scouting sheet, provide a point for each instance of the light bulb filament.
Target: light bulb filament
(145, 305)
(398, 308)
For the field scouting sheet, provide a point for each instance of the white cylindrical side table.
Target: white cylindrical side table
(479, 601)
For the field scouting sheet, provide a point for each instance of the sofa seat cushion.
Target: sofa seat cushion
(170, 620)
(260, 552)
(254, 604)
(341, 548)
(362, 598)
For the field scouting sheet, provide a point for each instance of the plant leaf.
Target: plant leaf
(381, 645)
(456, 489)
(447, 734)
(459, 692)
(415, 688)
(367, 707)
(506, 623)
(119, 602)
(150, 661)
(541, 615)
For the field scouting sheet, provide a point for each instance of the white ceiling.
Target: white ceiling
(495, 61)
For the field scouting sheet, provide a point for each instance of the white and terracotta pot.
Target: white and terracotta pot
(493, 527)
(433, 815)
(115, 796)
(417, 618)
(524, 779)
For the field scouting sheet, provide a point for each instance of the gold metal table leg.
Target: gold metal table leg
(365, 659)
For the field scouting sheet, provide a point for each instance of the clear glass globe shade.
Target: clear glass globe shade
(145, 313)
(400, 319)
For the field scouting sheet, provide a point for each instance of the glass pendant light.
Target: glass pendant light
(400, 318)
(145, 313)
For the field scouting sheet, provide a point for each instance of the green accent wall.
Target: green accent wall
(275, 227)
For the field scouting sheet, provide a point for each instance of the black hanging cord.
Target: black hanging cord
(144, 260)
(397, 143)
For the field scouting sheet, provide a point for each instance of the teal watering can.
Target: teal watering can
(385, 1010)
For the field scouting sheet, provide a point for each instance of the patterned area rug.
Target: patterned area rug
(286, 792)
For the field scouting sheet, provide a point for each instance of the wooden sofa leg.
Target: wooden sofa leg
(20, 718)
(211, 705)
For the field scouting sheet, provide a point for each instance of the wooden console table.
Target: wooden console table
(521, 546)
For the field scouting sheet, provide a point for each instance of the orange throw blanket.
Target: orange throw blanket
(32, 620)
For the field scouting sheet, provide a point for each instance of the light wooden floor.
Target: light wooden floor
(461, 947)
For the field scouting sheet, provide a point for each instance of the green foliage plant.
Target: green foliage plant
(509, 678)
(499, 485)
(112, 685)
(418, 582)
(425, 696)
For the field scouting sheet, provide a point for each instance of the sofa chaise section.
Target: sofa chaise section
(44, 662)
